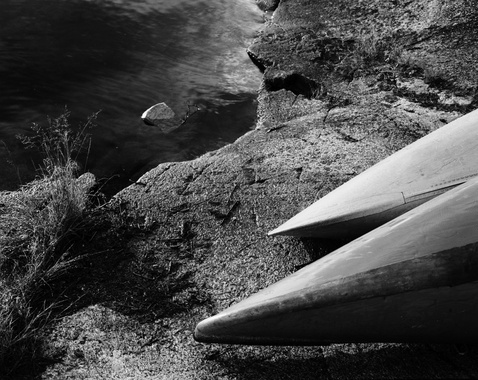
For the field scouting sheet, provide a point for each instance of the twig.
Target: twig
(227, 217)
(347, 137)
(236, 186)
(189, 113)
(280, 126)
(247, 245)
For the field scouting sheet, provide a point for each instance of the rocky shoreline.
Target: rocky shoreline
(345, 85)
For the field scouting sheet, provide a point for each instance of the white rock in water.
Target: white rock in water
(159, 111)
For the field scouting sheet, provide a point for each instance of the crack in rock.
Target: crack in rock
(294, 82)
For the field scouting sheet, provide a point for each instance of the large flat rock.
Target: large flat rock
(345, 85)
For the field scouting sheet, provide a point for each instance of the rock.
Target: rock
(160, 111)
(86, 181)
(267, 5)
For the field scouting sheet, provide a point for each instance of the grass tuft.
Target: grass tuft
(39, 225)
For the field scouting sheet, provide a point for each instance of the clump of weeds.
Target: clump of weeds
(370, 49)
(39, 227)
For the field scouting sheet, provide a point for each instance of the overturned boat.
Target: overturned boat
(419, 172)
(414, 279)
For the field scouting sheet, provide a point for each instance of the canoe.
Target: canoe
(414, 279)
(419, 172)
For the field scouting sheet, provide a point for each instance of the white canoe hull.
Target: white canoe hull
(419, 172)
(414, 279)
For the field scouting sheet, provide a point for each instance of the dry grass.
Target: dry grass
(38, 226)
(371, 47)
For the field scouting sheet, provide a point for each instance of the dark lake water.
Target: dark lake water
(123, 56)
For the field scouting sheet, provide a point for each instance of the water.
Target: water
(122, 56)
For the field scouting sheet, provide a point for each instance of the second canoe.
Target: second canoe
(419, 172)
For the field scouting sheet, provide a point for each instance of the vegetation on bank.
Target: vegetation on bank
(385, 56)
(39, 226)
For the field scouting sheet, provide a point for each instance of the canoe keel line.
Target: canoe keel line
(364, 214)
